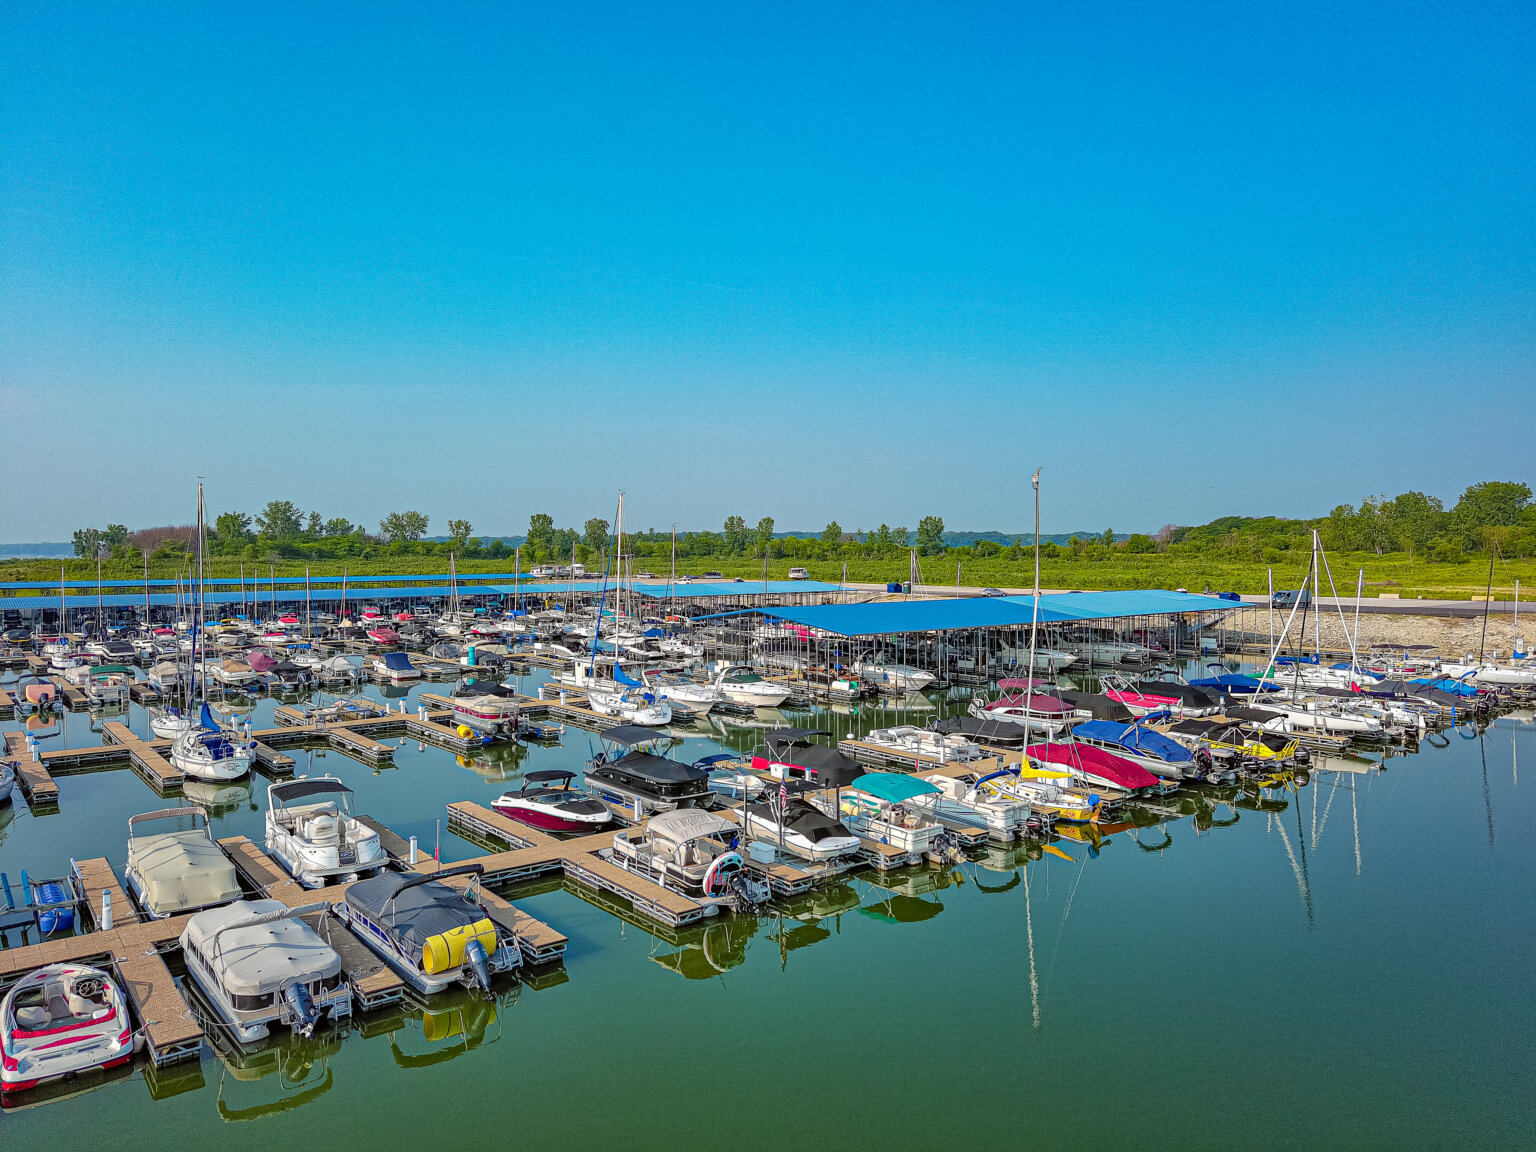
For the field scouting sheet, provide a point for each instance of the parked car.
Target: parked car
(711, 576)
(993, 592)
(799, 574)
(1290, 597)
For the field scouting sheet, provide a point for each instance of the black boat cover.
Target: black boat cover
(1191, 695)
(999, 732)
(1100, 707)
(831, 768)
(1248, 712)
(413, 915)
(809, 821)
(657, 769)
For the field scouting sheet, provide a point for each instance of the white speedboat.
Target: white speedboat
(63, 1020)
(258, 963)
(548, 800)
(176, 870)
(679, 691)
(433, 934)
(1490, 675)
(310, 831)
(168, 722)
(902, 676)
(744, 687)
(630, 705)
(801, 827)
(208, 752)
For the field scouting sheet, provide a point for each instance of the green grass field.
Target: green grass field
(1394, 573)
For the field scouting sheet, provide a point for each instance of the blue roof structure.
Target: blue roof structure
(893, 617)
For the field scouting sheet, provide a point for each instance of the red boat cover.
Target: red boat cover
(1096, 762)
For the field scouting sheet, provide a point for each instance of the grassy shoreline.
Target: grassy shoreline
(1394, 573)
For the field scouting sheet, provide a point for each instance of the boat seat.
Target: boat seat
(34, 1017)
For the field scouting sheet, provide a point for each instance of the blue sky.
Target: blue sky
(863, 262)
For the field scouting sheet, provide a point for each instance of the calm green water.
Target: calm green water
(1351, 968)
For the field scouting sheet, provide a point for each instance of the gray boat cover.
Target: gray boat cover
(412, 915)
(259, 959)
(181, 870)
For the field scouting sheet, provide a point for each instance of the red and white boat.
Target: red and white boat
(370, 616)
(1090, 765)
(1141, 703)
(403, 618)
(60, 1021)
(383, 634)
(1023, 702)
(551, 803)
(288, 620)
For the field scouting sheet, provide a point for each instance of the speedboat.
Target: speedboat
(902, 676)
(683, 693)
(1045, 790)
(1157, 753)
(743, 687)
(209, 752)
(168, 722)
(639, 780)
(171, 872)
(166, 677)
(1488, 674)
(39, 693)
(431, 933)
(801, 827)
(547, 800)
(1092, 765)
(692, 852)
(631, 706)
(7, 781)
(62, 1020)
(383, 635)
(395, 667)
(258, 963)
(312, 833)
(1230, 741)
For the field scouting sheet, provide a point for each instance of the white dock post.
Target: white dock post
(106, 910)
(413, 850)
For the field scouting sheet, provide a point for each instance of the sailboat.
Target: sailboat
(206, 751)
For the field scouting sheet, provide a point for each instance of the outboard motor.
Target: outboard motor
(301, 1007)
(477, 962)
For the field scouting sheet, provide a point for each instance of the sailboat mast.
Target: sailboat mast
(101, 623)
(1034, 630)
(63, 612)
(1493, 551)
(146, 588)
(200, 654)
(308, 631)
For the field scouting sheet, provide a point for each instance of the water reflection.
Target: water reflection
(454, 1023)
(278, 1075)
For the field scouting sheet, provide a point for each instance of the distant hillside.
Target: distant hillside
(961, 539)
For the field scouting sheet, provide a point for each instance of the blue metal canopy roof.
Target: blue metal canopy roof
(892, 617)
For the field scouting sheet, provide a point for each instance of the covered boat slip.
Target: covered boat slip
(970, 639)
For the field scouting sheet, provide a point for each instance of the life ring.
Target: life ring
(720, 870)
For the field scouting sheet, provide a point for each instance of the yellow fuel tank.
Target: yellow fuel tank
(445, 952)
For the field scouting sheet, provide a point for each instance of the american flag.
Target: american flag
(783, 795)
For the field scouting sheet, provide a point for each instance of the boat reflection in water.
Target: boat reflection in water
(455, 1022)
(296, 1071)
(219, 798)
(911, 894)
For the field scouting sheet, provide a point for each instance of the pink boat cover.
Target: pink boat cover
(1095, 761)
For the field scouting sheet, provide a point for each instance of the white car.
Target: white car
(799, 574)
